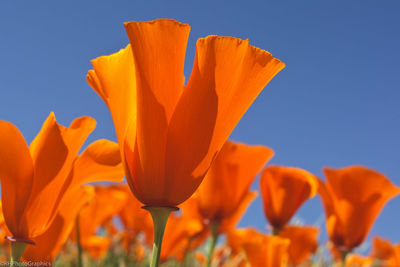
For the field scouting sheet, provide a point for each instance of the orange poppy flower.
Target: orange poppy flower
(385, 253)
(303, 242)
(284, 190)
(224, 193)
(170, 132)
(35, 179)
(50, 242)
(350, 216)
(261, 249)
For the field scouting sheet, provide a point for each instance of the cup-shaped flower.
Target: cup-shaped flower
(303, 242)
(284, 190)
(224, 191)
(35, 179)
(353, 198)
(261, 249)
(170, 132)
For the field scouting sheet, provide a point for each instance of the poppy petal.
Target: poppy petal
(53, 152)
(227, 76)
(100, 161)
(159, 53)
(16, 172)
(113, 78)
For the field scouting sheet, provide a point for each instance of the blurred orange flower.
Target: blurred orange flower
(169, 132)
(261, 249)
(51, 241)
(355, 260)
(134, 219)
(284, 190)
(350, 215)
(303, 242)
(224, 194)
(179, 237)
(35, 179)
(107, 203)
(385, 253)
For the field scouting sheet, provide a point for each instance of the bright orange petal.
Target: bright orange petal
(16, 172)
(53, 152)
(159, 52)
(100, 161)
(284, 190)
(229, 178)
(113, 78)
(227, 76)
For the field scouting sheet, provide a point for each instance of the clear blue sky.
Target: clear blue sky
(335, 104)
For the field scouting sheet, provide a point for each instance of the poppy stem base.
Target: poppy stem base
(160, 217)
(17, 249)
(214, 238)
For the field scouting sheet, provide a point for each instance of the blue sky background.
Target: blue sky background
(335, 104)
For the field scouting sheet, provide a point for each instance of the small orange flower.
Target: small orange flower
(303, 242)
(350, 215)
(169, 132)
(224, 193)
(284, 190)
(35, 179)
(385, 253)
(261, 249)
(51, 241)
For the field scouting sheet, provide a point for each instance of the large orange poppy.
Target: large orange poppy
(353, 198)
(169, 132)
(35, 179)
(284, 190)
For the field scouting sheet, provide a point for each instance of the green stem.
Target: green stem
(186, 252)
(214, 238)
(17, 249)
(78, 241)
(343, 255)
(276, 231)
(160, 217)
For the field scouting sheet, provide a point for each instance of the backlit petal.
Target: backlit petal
(113, 78)
(159, 52)
(16, 173)
(100, 161)
(227, 76)
(53, 152)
